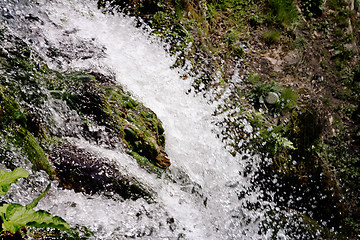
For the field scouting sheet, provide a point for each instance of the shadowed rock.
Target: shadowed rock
(82, 171)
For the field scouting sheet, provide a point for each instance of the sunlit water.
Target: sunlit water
(203, 206)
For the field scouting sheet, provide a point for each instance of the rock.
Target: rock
(275, 62)
(146, 146)
(114, 116)
(272, 98)
(83, 171)
(139, 126)
(15, 134)
(292, 58)
(40, 106)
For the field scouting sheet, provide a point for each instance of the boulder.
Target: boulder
(83, 171)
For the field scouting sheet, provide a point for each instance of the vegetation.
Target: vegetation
(7, 178)
(15, 216)
(13, 129)
(283, 12)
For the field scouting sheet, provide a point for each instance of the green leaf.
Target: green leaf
(16, 216)
(283, 142)
(7, 178)
(288, 144)
(36, 200)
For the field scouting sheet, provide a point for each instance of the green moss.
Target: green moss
(272, 36)
(9, 112)
(288, 100)
(145, 163)
(138, 125)
(83, 93)
(14, 128)
(32, 149)
(113, 107)
(94, 97)
(283, 12)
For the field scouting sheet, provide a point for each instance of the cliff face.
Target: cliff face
(305, 55)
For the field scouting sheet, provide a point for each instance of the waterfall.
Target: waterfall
(198, 197)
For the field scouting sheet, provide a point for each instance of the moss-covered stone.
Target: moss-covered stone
(13, 128)
(138, 125)
(39, 107)
(105, 104)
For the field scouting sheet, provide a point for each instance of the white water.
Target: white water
(141, 64)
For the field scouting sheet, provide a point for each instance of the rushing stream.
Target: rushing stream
(198, 196)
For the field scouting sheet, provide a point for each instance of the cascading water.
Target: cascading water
(197, 198)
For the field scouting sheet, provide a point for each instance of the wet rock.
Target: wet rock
(13, 129)
(111, 115)
(40, 107)
(84, 95)
(139, 126)
(82, 171)
(103, 79)
(146, 146)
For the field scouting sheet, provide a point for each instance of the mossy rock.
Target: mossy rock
(138, 125)
(83, 94)
(13, 128)
(105, 104)
(27, 120)
(28, 86)
(83, 171)
(146, 146)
